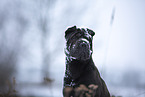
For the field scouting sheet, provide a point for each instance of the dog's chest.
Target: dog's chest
(76, 69)
(80, 74)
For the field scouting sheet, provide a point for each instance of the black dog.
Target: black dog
(81, 73)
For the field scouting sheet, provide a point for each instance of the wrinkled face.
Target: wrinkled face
(79, 43)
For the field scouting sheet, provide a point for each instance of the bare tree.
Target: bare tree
(12, 28)
(44, 27)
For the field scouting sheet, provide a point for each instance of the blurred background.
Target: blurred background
(32, 59)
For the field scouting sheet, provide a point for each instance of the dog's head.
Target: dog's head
(79, 43)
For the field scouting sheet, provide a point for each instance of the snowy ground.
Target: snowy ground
(40, 90)
(56, 91)
(127, 92)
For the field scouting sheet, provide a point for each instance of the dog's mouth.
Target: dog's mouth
(81, 50)
(84, 56)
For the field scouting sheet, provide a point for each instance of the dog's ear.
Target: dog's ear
(91, 32)
(69, 31)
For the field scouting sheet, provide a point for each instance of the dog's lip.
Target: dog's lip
(82, 56)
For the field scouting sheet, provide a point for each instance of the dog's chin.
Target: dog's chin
(82, 56)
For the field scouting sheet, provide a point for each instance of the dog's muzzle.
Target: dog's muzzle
(81, 49)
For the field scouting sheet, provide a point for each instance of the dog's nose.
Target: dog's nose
(83, 44)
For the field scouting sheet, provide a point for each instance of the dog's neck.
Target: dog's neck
(75, 67)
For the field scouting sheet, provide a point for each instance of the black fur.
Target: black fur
(80, 68)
